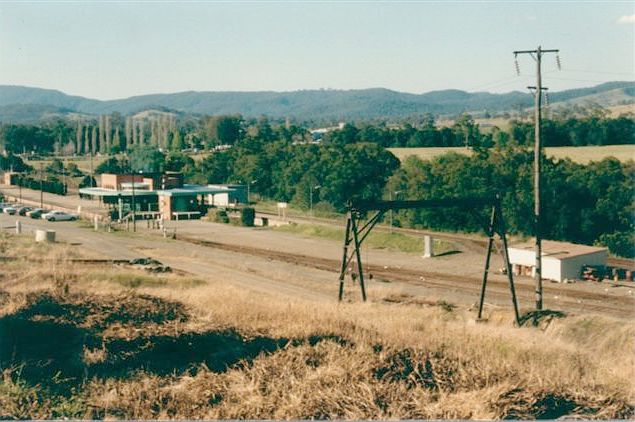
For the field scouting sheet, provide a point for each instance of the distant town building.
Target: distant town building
(318, 134)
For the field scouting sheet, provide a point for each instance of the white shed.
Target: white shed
(227, 195)
(560, 260)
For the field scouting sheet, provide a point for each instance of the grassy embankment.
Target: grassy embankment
(582, 155)
(83, 162)
(376, 239)
(87, 341)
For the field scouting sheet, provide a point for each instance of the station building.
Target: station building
(560, 260)
(161, 194)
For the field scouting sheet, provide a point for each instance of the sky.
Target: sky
(117, 49)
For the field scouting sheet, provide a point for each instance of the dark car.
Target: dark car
(24, 210)
(36, 213)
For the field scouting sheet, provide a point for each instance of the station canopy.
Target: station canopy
(185, 190)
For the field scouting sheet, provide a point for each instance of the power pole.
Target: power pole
(41, 186)
(92, 171)
(537, 56)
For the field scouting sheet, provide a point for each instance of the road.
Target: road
(276, 263)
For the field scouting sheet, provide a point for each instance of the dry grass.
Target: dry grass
(584, 155)
(581, 155)
(208, 350)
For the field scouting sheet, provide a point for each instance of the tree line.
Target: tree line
(571, 131)
(587, 204)
(114, 133)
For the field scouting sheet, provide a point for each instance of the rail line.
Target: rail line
(621, 306)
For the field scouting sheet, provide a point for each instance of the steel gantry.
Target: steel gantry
(357, 230)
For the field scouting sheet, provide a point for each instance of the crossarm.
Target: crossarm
(362, 206)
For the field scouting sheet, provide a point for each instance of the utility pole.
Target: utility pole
(41, 186)
(311, 187)
(397, 192)
(134, 204)
(92, 170)
(537, 56)
(64, 176)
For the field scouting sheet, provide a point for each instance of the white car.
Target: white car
(58, 216)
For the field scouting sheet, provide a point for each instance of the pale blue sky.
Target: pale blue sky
(111, 50)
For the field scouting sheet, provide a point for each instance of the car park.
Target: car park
(59, 216)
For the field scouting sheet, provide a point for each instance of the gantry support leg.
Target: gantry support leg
(347, 241)
(497, 225)
(490, 243)
(358, 256)
(508, 267)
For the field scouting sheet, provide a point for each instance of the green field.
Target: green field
(581, 155)
(83, 162)
(376, 240)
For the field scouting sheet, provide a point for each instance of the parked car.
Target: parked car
(36, 213)
(9, 210)
(23, 210)
(59, 216)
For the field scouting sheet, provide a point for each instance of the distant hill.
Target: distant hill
(19, 103)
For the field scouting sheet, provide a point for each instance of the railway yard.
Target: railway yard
(275, 262)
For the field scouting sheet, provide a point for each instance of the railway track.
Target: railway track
(570, 299)
(473, 242)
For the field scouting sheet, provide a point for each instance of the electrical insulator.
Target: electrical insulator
(546, 98)
(517, 67)
(558, 61)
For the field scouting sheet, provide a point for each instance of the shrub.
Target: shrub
(218, 216)
(247, 216)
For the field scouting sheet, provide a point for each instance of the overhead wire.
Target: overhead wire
(599, 72)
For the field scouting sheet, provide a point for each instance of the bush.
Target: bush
(218, 216)
(620, 243)
(247, 216)
(51, 184)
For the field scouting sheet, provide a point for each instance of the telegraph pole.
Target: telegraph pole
(41, 186)
(537, 56)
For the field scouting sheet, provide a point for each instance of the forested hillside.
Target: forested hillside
(305, 105)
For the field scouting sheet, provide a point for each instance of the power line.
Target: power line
(599, 72)
(578, 80)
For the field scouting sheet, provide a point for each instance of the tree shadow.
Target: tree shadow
(453, 252)
(47, 342)
(538, 318)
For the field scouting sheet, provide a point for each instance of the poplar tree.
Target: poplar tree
(141, 137)
(78, 137)
(108, 137)
(128, 132)
(102, 144)
(153, 132)
(177, 141)
(86, 139)
(135, 136)
(94, 140)
(117, 140)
